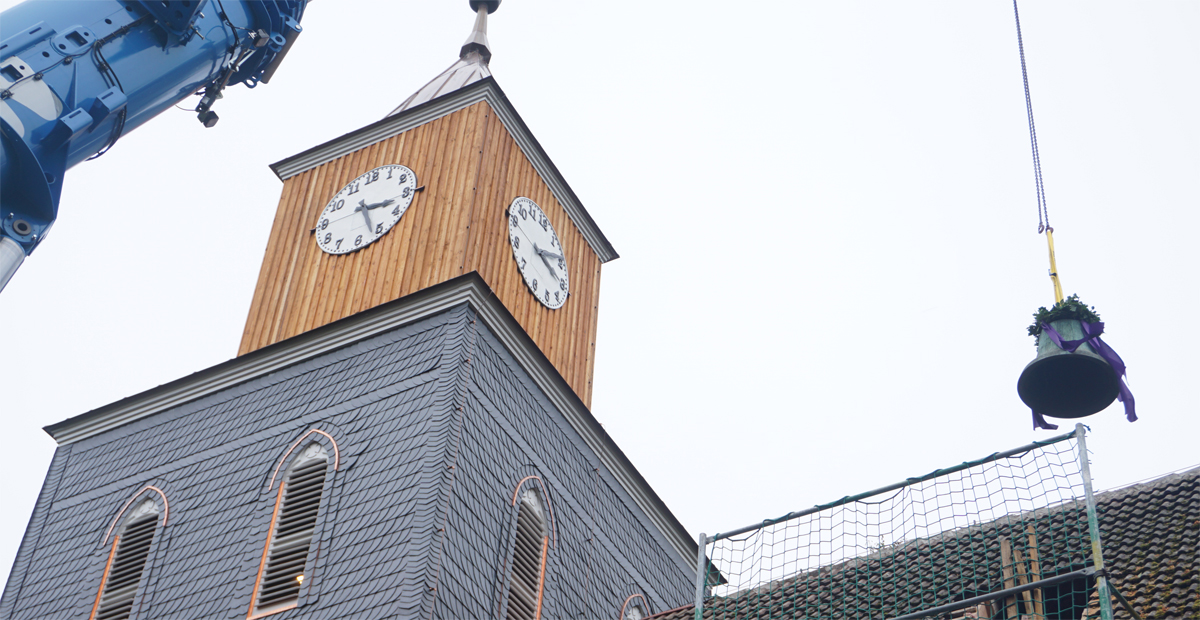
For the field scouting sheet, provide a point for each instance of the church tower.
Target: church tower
(450, 182)
(405, 432)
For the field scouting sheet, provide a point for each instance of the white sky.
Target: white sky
(825, 214)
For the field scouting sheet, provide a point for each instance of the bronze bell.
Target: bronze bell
(1067, 385)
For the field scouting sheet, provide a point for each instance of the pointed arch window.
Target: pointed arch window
(126, 562)
(281, 572)
(530, 550)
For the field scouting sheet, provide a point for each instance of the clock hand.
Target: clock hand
(553, 274)
(542, 254)
(362, 207)
(380, 204)
(545, 253)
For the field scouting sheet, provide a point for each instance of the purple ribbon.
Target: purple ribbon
(1091, 333)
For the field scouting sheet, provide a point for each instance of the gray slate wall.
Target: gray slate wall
(403, 406)
(605, 548)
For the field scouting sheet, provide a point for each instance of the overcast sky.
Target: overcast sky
(824, 210)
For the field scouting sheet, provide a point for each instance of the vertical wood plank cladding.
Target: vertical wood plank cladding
(310, 297)
(471, 169)
(312, 276)
(257, 302)
(563, 335)
(590, 342)
(276, 288)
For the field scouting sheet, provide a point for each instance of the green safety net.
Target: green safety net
(949, 544)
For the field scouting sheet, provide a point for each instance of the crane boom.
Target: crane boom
(75, 76)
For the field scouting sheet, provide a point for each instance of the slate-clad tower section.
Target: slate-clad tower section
(473, 154)
(434, 417)
(598, 560)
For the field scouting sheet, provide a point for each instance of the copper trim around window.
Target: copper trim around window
(104, 579)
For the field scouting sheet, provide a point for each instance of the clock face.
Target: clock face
(366, 209)
(539, 255)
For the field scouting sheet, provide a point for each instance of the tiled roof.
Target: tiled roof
(1151, 536)
(1151, 545)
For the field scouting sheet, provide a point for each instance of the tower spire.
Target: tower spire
(477, 42)
(471, 66)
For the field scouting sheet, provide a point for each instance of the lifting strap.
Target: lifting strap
(1058, 296)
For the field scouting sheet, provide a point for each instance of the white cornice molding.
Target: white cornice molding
(483, 90)
(469, 288)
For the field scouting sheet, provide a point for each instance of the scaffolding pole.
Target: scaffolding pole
(1106, 611)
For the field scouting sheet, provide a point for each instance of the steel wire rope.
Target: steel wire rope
(1040, 188)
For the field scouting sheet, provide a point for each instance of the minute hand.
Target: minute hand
(379, 204)
(548, 253)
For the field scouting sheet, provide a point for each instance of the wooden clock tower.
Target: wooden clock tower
(473, 158)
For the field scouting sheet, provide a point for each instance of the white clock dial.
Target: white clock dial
(366, 209)
(538, 252)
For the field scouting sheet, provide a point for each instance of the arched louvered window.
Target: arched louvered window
(126, 563)
(281, 573)
(528, 559)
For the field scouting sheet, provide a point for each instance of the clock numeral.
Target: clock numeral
(523, 212)
(389, 173)
(548, 295)
(406, 192)
(535, 285)
(544, 222)
(339, 244)
(339, 204)
(358, 241)
(328, 236)
(562, 264)
(372, 176)
(516, 242)
(562, 284)
(404, 178)
(353, 188)
(324, 223)
(379, 228)
(396, 211)
(512, 221)
(556, 297)
(522, 264)
(553, 241)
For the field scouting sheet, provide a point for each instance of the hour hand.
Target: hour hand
(362, 208)
(542, 254)
(547, 254)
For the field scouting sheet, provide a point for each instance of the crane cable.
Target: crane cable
(1040, 188)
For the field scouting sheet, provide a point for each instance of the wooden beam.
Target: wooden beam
(1023, 579)
(1006, 568)
(1035, 573)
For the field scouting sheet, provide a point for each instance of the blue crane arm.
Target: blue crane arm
(77, 75)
